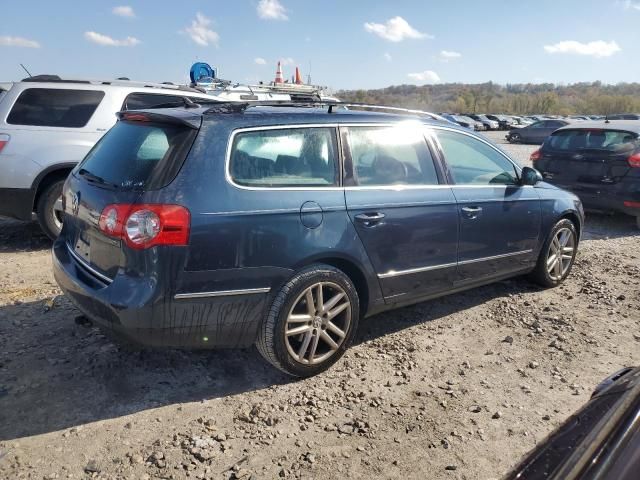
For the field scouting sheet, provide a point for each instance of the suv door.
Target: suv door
(499, 218)
(405, 216)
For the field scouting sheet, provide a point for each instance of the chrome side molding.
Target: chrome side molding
(221, 293)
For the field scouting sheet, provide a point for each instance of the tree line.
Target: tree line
(588, 98)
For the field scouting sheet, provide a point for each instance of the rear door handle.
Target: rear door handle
(471, 212)
(370, 219)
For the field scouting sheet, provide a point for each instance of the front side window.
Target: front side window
(291, 157)
(537, 125)
(391, 156)
(52, 107)
(473, 162)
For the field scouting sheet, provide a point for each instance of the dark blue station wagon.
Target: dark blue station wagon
(283, 226)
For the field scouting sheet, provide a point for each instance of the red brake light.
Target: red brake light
(4, 139)
(535, 156)
(634, 160)
(135, 117)
(146, 225)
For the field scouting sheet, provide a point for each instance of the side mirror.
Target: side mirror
(530, 176)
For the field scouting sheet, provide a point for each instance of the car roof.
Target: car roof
(258, 115)
(626, 125)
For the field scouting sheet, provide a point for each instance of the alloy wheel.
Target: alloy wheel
(318, 323)
(561, 252)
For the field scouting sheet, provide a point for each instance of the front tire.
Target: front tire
(311, 321)
(515, 138)
(49, 209)
(557, 255)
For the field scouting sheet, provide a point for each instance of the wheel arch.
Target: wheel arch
(48, 176)
(352, 269)
(573, 218)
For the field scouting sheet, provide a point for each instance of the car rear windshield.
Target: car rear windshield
(138, 156)
(598, 139)
(51, 107)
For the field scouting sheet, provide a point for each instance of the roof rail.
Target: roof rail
(223, 107)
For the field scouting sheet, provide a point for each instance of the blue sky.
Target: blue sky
(348, 43)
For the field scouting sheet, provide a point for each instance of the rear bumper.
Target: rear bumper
(16, 203)
(608, 198)
(142, 311)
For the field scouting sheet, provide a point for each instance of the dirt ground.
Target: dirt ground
(456, 388)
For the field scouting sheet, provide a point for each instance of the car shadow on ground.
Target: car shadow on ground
(56, 374)
(600, 226)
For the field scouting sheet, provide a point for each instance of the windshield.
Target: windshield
(137, 156)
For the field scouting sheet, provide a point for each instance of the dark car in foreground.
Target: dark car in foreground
(600, 441)
(283, 226)
(598, 161)
(537, 132)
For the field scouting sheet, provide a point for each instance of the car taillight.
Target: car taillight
(535, 156)
(634, 160)
(4, 139)
(146, 225)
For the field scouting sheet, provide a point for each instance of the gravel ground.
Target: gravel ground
(459, 387)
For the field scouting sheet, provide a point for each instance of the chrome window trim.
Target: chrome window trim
(397, 273)
(87, 267)
(221, 293)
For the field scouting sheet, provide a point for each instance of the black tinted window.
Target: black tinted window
(292, 157)
(48, 107)
(140, 101)
(391, 156)
(583, 139)
(138, 155)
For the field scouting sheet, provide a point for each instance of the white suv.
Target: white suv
(47, 125)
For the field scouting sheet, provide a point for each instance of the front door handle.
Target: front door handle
(471, 212)
(370, 219)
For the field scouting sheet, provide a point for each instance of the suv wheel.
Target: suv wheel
(515, 138)
(311, 322)
(49, 209)
(557, 255)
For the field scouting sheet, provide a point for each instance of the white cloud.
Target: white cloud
(428, 76)
(124, 11)
(596, 49)
(448, 54)
(107, 41)
(271, 10)
(395, 29)
(387, 57)
(260, 61)
(200, 32)
(6, 41)
(287, 61)
(633, 5)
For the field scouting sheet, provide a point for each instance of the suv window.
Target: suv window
(391, 156)
(472, 161)
(54, 107)
(290, 157)
(538, 125)
(137, 155)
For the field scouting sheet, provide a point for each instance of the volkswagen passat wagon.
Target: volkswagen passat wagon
(284, 226)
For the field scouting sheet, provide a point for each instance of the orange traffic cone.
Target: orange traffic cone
(298, 78)
(279, 78)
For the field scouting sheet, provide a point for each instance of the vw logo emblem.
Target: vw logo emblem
(75, 203)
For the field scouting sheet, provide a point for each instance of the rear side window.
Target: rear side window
(473, 162)
(292, 157)
(391, 156)
(583, 139)
(138, 156)
(49, 107)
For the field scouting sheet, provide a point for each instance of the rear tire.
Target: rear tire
(638, 221)
(515, 138)
(557, 255)
(49, 209)
(325, 323)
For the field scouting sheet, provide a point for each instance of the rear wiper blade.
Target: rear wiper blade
(94, 178)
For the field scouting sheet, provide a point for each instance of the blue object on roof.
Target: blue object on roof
(202, 71)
